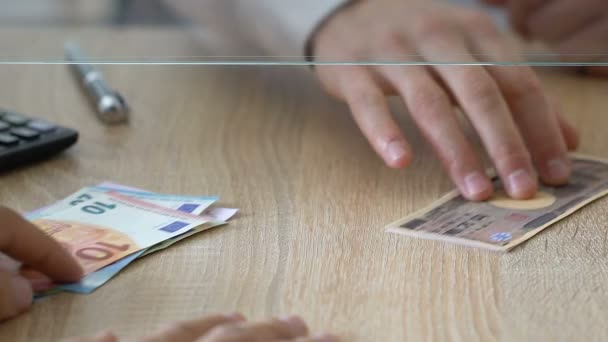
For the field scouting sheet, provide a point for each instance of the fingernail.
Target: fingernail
(325, 338)
(476, 184)
(559, 170)
(22, 292)
(235, 316)
(295, 322)
(396, 151)
(520, 183)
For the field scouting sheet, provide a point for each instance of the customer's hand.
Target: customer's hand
(508, 107)
(227, 328)
(577, 29)
(22, 242)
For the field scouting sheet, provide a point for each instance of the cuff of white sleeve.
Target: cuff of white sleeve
(308, 43)
(297, 22)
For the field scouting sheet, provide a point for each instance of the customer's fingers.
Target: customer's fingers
(370, 109)
(316, 338)
(192, 330)
(8, 264)
(16, 295)
(266, 331)
(24, 242)
(480, 97)
(433, 112)
(105, 336)
(529, 105)
(39, 281)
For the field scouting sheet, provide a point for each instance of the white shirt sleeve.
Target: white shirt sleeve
(281, 28)
(284, 27)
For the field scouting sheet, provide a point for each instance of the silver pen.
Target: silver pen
(110, 106)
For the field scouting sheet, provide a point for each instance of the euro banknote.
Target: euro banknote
(93, 281)
(99, 228)
(188, 204)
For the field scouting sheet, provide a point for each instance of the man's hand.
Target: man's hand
(227, 328)
(576, 29)
(507, 106)
(24, 243)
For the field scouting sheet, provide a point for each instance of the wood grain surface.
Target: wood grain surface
(314, 199)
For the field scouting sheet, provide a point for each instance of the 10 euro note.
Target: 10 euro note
(99, 228)
(195, 205)
(501, 223)
(93, 281)
(189, 204)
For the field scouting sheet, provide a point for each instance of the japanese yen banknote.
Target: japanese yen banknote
(501, 223)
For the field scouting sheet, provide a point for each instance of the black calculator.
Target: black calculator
(25, 139)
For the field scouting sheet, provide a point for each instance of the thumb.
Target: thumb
(16, 295)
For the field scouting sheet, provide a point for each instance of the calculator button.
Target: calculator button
(4, 126)
(41, 126)
(15, 119)
(8, 140)
(25, 133)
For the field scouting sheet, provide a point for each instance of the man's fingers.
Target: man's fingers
(370, 110)
(433, 112)
(536, 121)
(188, 331)
(15, 295)
(586, 45)
(480, 97)
(529, 106)
(569, 132)
(23, 241)
(520, 11)
(274, 330)
(559, 19)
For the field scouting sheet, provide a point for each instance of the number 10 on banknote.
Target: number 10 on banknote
(500, 223)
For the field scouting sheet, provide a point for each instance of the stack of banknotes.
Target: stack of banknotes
(108, 226)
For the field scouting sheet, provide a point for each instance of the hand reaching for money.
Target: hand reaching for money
(508, 106)
(226, 328)
(22, 242)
